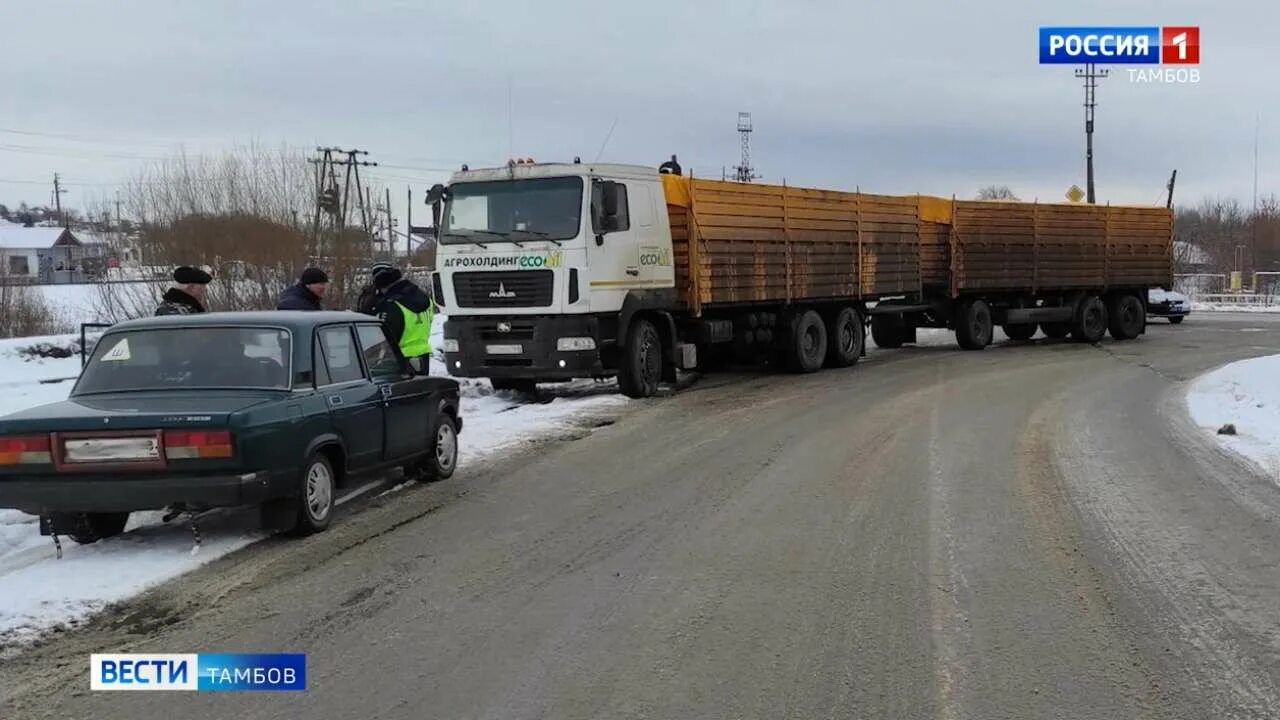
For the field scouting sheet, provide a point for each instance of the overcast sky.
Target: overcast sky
(936, 97)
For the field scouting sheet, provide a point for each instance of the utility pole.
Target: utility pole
(408, 223)
(335, 203)
(57, 199)
(1090, 74)
(391, 236)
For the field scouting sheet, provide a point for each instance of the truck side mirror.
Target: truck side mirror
(435, 218)
(609, 199)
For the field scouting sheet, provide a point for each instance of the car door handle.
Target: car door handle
(386, 392)
(335, 400)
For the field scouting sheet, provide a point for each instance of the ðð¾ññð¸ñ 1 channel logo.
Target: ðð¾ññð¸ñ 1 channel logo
(1168, 54)
(1127, 45)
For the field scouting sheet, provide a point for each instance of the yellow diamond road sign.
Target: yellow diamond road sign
(1075, 194)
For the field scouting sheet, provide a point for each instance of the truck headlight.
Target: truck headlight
(451, 345)
(571, 344)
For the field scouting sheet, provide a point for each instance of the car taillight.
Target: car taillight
(189, 444)
(26, 450)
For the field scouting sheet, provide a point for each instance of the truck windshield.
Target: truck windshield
(513, 211)
(187, 358)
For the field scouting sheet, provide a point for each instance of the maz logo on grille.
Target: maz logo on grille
(502, 292)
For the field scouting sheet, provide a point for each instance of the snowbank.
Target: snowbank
(1234, 307)
(1245, 394)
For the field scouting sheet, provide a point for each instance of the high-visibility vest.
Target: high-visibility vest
(415, 341)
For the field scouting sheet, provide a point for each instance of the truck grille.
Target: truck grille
(515, 288)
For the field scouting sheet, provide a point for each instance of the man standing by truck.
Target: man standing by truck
(406, 312)
(187, 297)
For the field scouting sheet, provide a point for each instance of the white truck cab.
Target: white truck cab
(541, 266)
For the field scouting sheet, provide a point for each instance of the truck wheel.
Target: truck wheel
(86, 528)
(974, 325)
(440, 463)
(522, 387)
(886, 330)
(845, 338)
(807, 343)
(1090, 321)
(641, 361)
(1020, 332)
(1175, 320)
(1055, 330)
(1126, 317)
(314, 504)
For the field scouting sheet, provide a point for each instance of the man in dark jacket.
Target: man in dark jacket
(367, 302)
(188, 296)
(307, 293)
(406, 312)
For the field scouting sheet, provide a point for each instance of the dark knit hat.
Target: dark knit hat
(380, 265)
(386, 277)
(313, 276)
(187, 275)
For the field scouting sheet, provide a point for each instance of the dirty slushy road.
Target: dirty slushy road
(1029, 531)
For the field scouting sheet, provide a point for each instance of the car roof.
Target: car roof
(290, 319)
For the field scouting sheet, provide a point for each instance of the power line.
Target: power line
(79, 138)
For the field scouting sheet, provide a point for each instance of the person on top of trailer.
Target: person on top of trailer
(670, 167)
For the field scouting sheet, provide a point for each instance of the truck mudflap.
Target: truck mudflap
(526, 347)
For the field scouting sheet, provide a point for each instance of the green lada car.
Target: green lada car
(192, 412)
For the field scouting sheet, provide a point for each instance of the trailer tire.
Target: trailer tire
(1055, 330)
(886, 330)
(1090, 321)
(806, 343)
(641, 368)
(1020, 332)
(974, 325)
(1126, 317)
(846, 336)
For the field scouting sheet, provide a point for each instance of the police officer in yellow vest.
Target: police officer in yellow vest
(406, 312)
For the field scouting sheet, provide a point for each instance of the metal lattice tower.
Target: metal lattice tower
(743, 172)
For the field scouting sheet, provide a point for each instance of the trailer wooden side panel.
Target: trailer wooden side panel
(1000, 246)
(748, 243)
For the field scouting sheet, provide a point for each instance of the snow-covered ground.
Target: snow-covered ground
(1233, 307)
(39, 591)
(1245, 394)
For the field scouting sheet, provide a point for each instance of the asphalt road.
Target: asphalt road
(1033, 531)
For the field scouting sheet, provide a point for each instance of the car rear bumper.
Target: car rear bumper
(56, 493)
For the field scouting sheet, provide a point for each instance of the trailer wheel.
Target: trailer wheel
(1090, 321)
(1020, 332)
(845, 338)
(641, 361)
(886, 330)
(974, 325)
(807, 343)
(1055, 330)
(1126, 317)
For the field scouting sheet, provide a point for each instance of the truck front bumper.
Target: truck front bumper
(525, 347)
(39, 495)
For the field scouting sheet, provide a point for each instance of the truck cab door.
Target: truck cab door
(613, 254)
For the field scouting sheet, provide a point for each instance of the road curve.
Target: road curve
(1033, 531)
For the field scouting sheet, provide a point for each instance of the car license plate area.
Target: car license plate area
(504, 349)
(100, 451)
(111, 450)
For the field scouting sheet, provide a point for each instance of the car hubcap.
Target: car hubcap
(446, 447)
(319, 491)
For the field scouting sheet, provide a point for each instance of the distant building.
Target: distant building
(41, 254)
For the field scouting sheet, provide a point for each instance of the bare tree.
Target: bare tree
(996, 192)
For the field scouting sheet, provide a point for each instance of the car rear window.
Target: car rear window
(184, 358)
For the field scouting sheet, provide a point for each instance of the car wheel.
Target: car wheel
(86, 528)
(1175, 320)
(443, 458)
(641, 361)
(1126, 317)
(845, 338)
(1090, 322)
(974, 325)
(315, 496)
